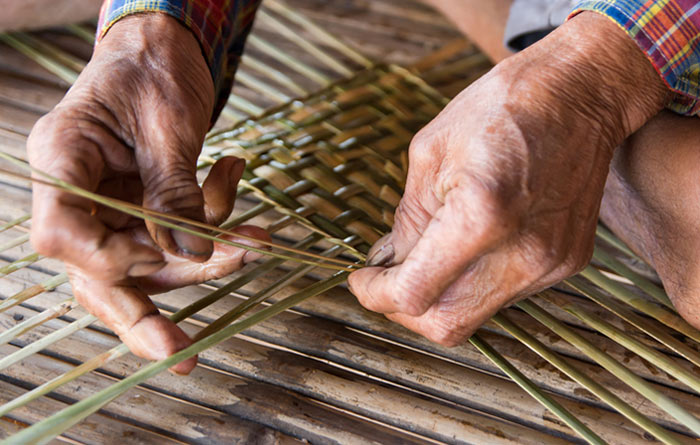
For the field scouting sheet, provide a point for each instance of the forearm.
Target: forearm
(588, 73)
(34, 14)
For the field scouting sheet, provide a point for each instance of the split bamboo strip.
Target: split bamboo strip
(535, 392)
(618, 370)
(279, 202)
(295, 64)
(83, 32)
(652, 356)
(47, 62)
(60, 56)
(264, 88)
(229, 113)
(177, 317)
(31, 292)
(585, 381)
(22, 296)
(652, 309)
(38, 345)
(261, 296)
(607, 236)
(56, 311)
(637, 321)
(323, 35)
(42, 432)
(245, 106)
(147, 214)
(18, 264)
(15, 223)
(14, 243)
(640, 281)
(274, 74)
(307, 45)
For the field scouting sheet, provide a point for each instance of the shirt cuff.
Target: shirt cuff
(668, 33)
(220, 27)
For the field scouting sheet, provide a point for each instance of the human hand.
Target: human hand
(504, 186)
(132, 128)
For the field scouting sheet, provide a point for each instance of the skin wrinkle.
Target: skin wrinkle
(111, 133)
(513, 224)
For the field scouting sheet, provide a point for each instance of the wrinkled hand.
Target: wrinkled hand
(132, 128)
(504, 186)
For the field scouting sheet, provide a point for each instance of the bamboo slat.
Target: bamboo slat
(325, 171)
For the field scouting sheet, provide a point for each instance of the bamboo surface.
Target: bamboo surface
(325, 173)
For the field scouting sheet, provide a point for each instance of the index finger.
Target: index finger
(458, 234)
(64, 225)
(127, 310)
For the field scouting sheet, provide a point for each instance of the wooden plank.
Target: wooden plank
(94, 429)
(429, 375)
(9, 427)
(31, 95)
(549, 378)
(142, 409)
(212, 390)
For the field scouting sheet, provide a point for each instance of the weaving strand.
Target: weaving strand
(324, 174)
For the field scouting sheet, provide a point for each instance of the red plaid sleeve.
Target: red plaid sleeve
(668, 31)
(220, 26)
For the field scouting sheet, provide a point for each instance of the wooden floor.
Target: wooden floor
(325, 372)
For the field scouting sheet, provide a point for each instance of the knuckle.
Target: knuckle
(446, 336)
(175, 189)
(408, 297)
(410, 216)
(43, 241)
(419, 150)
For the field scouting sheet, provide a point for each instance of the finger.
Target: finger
(220, 188)
(468, 303)
(63, 224)
(129, 312)
(461, 231)
(125, 188)
(225, 260)
(412, 217)
(170, 186)
(495, 280)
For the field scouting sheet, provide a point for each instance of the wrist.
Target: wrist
(161, 50)
(590, 71)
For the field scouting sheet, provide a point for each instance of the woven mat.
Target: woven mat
(325, 173)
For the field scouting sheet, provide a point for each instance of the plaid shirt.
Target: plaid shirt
(220, 26)
(668, 31)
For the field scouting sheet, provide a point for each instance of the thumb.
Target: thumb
(410, 221)
(170, 186)
(454, 238)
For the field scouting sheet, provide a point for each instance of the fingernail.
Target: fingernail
(382, 253)
(191, 245)
(144, 269)
(251, 256)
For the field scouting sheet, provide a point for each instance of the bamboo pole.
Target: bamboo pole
(24, 295)
(42, 432)
(613, 366)
(652, 309)
(585, 381)
(532, 389)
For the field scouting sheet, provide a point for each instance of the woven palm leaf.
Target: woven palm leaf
(604, 353)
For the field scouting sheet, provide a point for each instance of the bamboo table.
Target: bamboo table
(327, 371)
